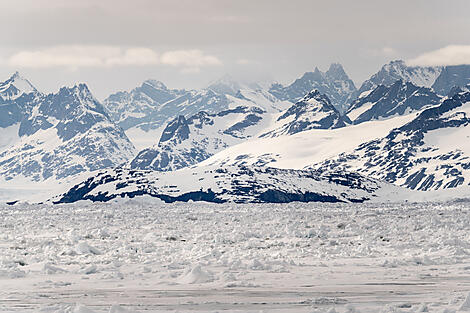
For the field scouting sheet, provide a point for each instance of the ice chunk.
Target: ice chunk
(52, 269)
(84, 248)
(119, 309)
(466, 304)
(195, 275)
(82, 309)
(92, 269)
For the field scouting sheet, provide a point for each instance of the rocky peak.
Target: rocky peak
(400, 98)
(225, 85)
(154, 84)
(398, 69)
(15, 86)
(336, 71)
(177, 129)
(318, 99)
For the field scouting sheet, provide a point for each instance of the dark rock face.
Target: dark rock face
(237, 184)
(236, 130)
(404, 156)
(11, 113)
(399, 98)
(314, 111)
(452, 76)
(177, 130)
(334, 83)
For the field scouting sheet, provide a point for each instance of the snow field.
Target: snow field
(144, 256)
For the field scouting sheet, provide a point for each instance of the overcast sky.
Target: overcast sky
(115, 44)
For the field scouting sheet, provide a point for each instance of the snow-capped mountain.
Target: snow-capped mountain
(238, 184)
(305, 148)
(143, 114)
(189, 140)
(452, 76)
(61, 135)
(400, 98)
(334, 83)
(16, 96)
(15, 87)
(140, 105)
(398, 70)
(428, 153)
(314, 111)
(226, 85)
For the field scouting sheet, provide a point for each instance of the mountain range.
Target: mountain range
(316, 139)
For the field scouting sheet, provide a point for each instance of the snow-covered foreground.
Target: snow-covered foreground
(141, 256)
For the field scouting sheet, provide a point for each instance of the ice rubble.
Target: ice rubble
(282, 250)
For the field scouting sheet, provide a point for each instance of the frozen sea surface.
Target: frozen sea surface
(143, 256)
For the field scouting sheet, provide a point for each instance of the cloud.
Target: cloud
(384, 51)
(246, 62)
(450, 55)
(191, 60)
(78, 56)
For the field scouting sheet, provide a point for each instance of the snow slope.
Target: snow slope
(305, 148)
(430, 152)
(239, 184)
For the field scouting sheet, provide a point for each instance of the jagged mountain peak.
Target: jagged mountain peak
(226, 85)
(226, 78)
(79, 94)
(400, 98)
(335, 83)
(15, 75)
(398, 69)
(397, 62)
(313, 111)
(321, 99)
(15, 86)
(63, 134)
(177, 129)
(314, 101)
(336, 70)
(155, 84)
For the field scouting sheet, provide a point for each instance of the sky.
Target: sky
(114, 45)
